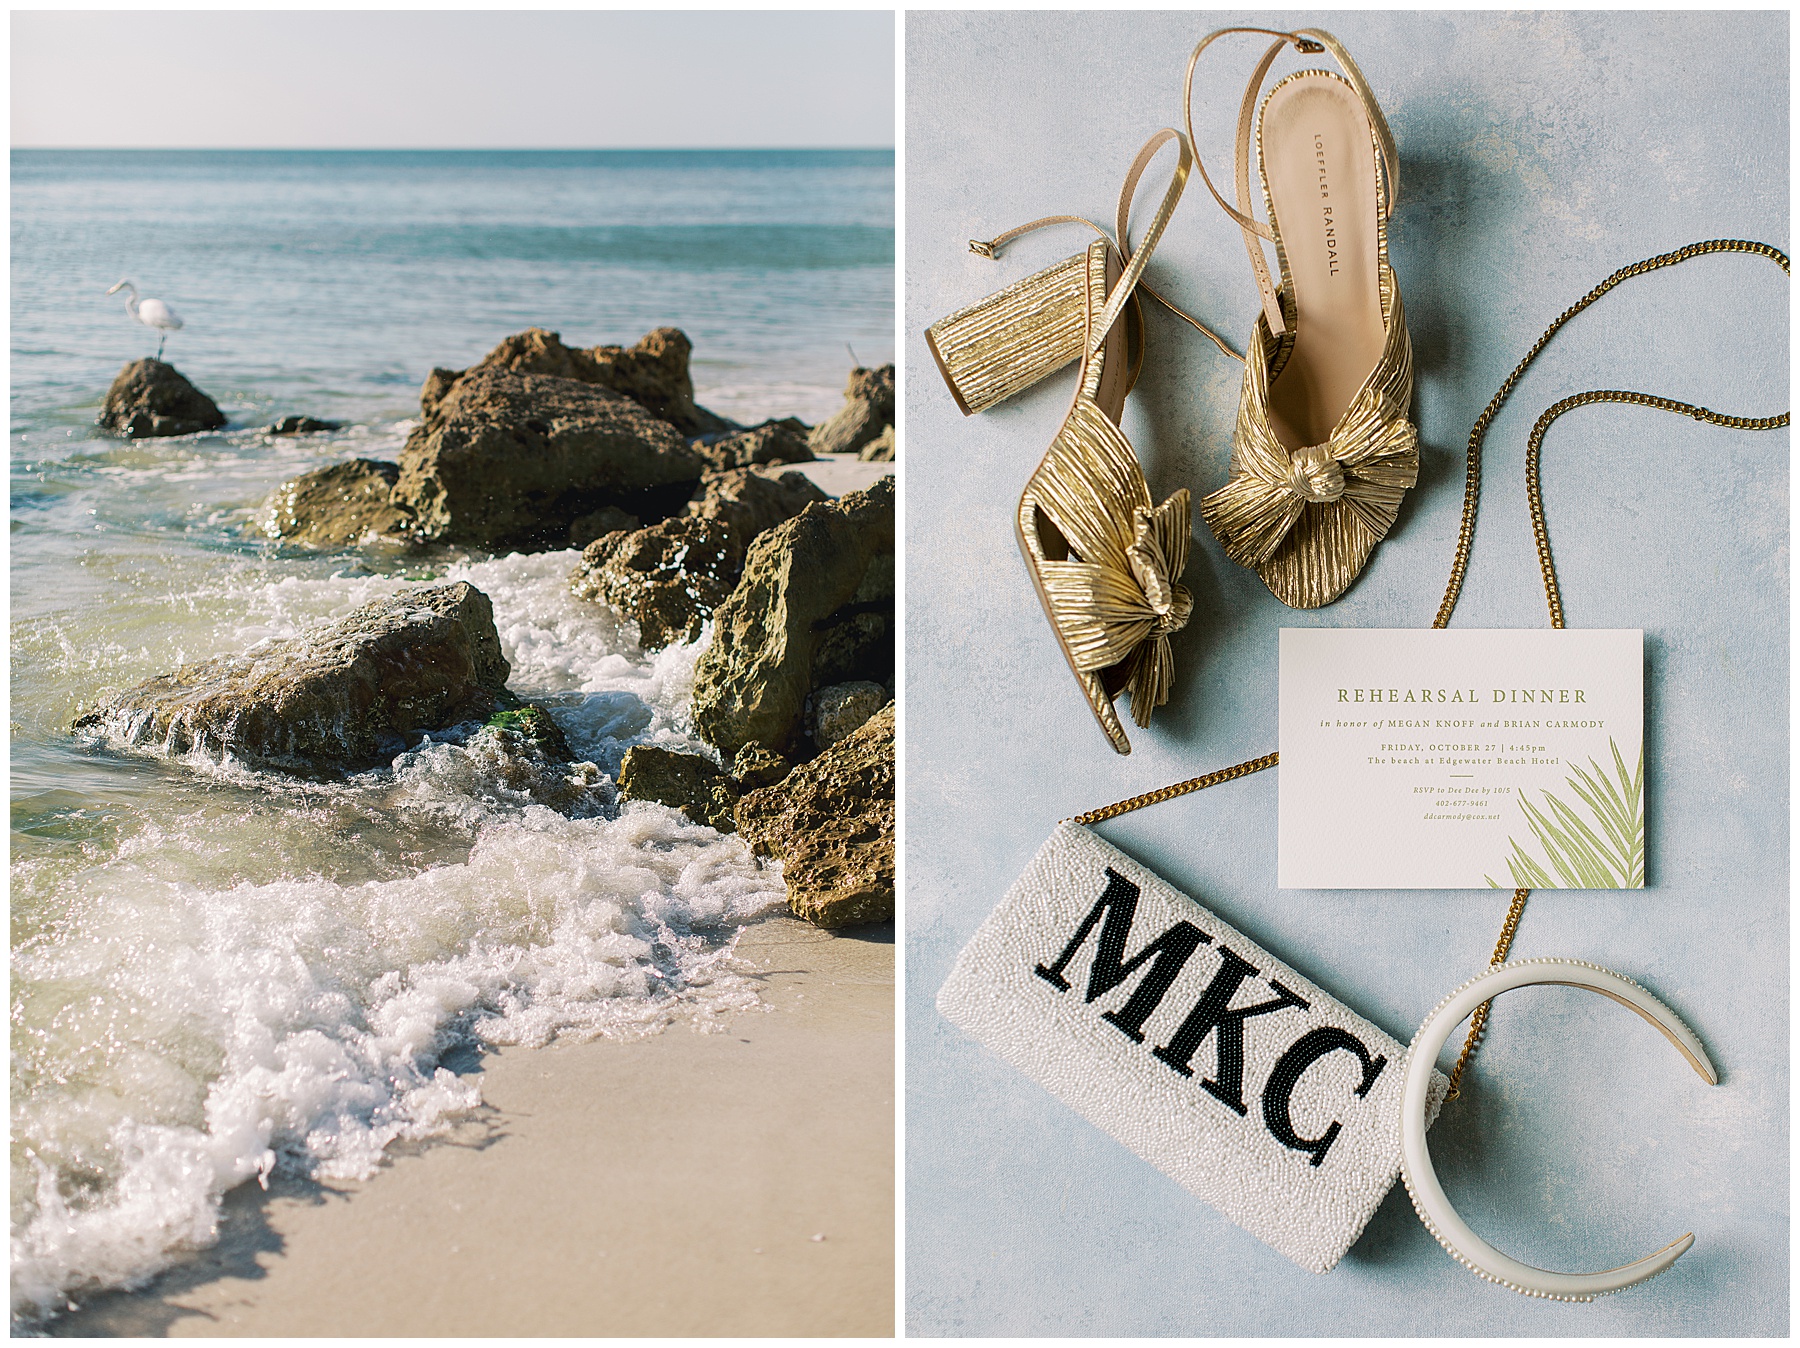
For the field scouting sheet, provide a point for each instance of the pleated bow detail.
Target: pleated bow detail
(1118, 597)
(1347, 490)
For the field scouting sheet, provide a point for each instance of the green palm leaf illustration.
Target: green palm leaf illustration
(1600, 846)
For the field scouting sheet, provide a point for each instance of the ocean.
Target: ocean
(219, 973)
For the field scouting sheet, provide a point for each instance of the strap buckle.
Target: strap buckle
(981, 248)
(1308, 46)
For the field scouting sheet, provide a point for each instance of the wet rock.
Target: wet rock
(772, 442)
(668, 579)
(831, 824)
(598, 524)
(344, 697)
(654, 373)
(824, 579)
(857, 641)
(752, 502)
(505, 459)
(687, 782)
(523, 751)
(880, 449)
(339, 506)
(839, 709)
(151, 397)
(530, 729)
(302, 426)
(517, 757)
(756, 767)
(868, 408)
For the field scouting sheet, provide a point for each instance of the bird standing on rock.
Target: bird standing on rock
(151, 313)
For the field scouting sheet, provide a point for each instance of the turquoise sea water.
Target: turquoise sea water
(217, 972)
(332, 281)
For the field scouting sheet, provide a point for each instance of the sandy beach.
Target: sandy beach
(679, 1185)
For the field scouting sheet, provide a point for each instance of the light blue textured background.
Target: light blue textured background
(1540, 152)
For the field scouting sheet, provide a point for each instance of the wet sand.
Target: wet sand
(677, 1185)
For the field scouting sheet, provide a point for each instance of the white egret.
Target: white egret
(151, 313)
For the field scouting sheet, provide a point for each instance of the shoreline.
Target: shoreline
(732, 1182)
(578, 1202)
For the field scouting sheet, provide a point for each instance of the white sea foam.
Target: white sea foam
(754, 402)
(175, 1036)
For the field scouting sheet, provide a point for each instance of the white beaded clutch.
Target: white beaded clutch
(1250, 1086)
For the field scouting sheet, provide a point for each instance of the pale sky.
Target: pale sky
(331, 79)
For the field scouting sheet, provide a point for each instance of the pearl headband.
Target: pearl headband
(1428, 1197)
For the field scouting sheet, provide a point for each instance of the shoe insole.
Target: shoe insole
(1319, 159)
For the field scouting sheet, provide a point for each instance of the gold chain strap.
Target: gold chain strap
(1478, 1021)
(1179, 789)
(1472, 487)
(1552, 593)
(1466, 537)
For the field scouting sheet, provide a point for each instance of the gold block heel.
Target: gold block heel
(1005, 343)
(1002, 345)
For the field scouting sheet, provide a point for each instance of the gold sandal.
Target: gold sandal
(1323, 452)
(1105, 560)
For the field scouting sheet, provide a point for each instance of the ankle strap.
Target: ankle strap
(1309, 41)
(1134, 260)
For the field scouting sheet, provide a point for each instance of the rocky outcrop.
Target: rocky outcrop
(686, 782)
(150, 398)
(868, 409)
(340, 506)
(668, 579)
(755, 767)
(831, 824)
(599, 523)
(814, 607)
(302, 426)
(436, 386)
(522, 751)
(880, 449)
(753, 502)
(653, 374)
(505, 459)
(838, 710)
(346, 697)
(540, 445)
(772, 442)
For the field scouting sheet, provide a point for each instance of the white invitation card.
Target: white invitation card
(1450, 759)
